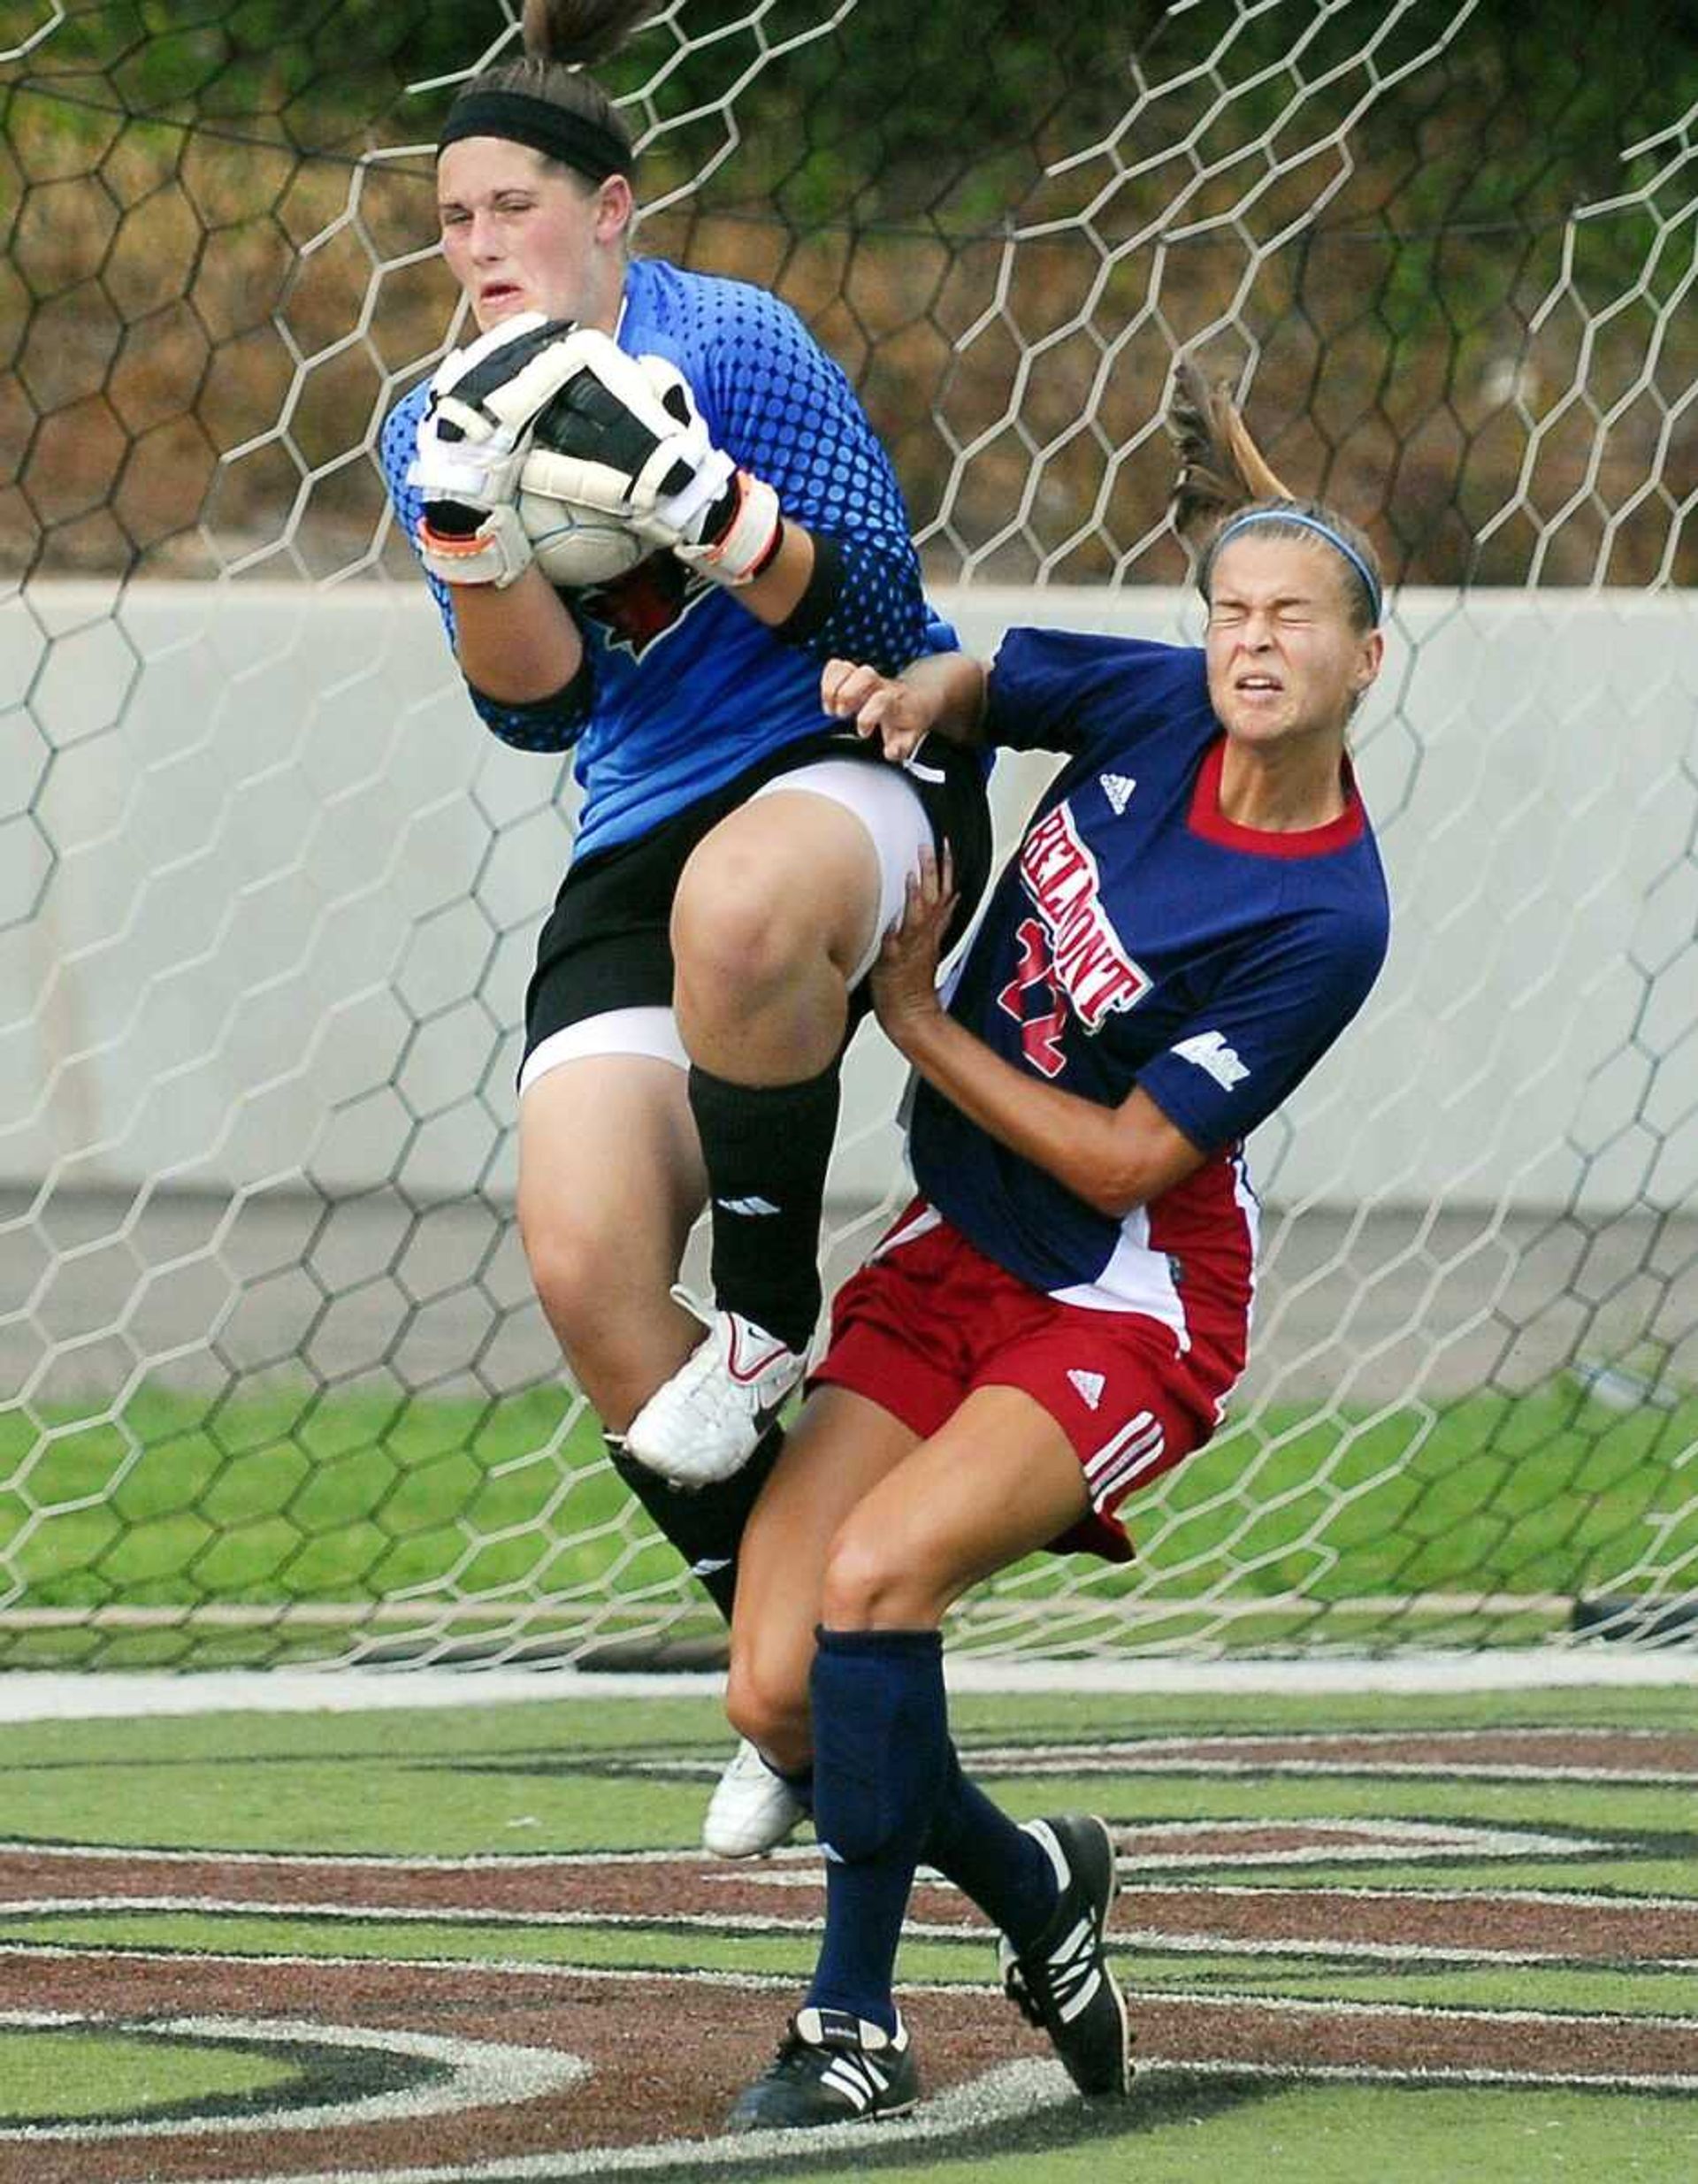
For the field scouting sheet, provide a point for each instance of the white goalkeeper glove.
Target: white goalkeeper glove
(624, 437)
(473, 436)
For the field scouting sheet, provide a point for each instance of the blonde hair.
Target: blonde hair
(1223, 476)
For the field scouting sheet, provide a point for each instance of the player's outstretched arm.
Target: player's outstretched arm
(942, 694)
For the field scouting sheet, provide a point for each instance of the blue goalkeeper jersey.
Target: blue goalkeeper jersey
(1138, 937)
(686, 688)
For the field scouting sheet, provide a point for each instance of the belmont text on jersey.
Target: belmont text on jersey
(1086, 959)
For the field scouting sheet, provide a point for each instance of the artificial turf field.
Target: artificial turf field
(1410, 1937)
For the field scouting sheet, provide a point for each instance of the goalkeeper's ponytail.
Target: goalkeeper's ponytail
(579, 33)
(1223, 476)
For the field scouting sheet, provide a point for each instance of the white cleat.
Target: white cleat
(752, 1810)
(706, 1421)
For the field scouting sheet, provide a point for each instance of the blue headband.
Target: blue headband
(1295, 516)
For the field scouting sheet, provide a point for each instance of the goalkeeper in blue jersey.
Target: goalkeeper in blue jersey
(739, 856)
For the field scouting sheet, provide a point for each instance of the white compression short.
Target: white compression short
(887, 805)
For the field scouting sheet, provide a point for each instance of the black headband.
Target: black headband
(573, 139)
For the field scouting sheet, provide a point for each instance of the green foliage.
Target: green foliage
(1378, 205)
(312, 63)
(899, 111)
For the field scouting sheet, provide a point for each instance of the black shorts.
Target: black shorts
(607, 943)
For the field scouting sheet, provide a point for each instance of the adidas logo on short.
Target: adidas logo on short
(751, 1206)
(1090, 1387)
(1118, 788)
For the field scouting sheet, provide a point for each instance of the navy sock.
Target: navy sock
(974, 1843)
(1006, 1872)
(767, 1148)
(881, 1747)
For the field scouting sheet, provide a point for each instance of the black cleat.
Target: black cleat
(1062, 1982)
(830, 2067)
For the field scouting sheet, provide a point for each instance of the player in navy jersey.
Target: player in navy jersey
(739, 855)
(1195, 912)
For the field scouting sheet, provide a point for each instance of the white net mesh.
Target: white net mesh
(271, 1380)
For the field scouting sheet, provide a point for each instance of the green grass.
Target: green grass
(274, 1502)
(557, 1775)
(71, 2077)
(1196, 2131)
(562, 1774)
(558, 1725)
(283, 1498)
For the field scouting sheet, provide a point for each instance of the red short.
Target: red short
(929, 1318)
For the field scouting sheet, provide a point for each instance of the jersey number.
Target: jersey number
(1035, 1000)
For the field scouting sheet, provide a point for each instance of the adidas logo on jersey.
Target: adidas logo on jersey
(1118, 788)
(1209, 1052)
(746, 1206)
(1090, 1387)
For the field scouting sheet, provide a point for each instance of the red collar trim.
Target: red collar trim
(1207, 819)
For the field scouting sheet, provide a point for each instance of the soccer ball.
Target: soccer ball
(578, 547)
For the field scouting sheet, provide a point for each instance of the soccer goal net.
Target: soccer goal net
(272, 1384)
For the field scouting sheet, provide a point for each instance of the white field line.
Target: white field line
(504, 1968)
(481, 2075)
(1381, 1770)
(1568, 1899)
(1211, 1755)
(52, 1695)
(774, 1982)
(807, 1870)
(482, 1861)
(999, 2097)
(746, 1923)
(1014, 2090)
(1002, 2096)
(1252, 1742)
(795, 1866)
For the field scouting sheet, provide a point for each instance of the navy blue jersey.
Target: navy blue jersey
(687, 688)
(1139, 938)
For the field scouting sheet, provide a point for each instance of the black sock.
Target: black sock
(767, 1147)
(704, 1523)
